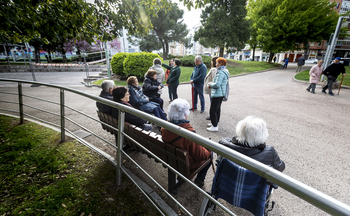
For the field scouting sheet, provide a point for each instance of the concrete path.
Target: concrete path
(310, 132)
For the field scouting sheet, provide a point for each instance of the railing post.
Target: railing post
(121, 118)
(20, 102)
(62, 115)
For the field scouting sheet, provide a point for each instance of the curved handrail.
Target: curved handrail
(294, 186)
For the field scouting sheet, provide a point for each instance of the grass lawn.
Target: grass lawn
(304, 76)
(41, 176)
(235, 67)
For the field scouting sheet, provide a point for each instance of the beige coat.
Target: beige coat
(315, 74)
(208, 79)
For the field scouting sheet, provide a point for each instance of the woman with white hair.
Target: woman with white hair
(178, 112)
(250, 140)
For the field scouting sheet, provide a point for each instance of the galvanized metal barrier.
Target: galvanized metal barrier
(309, 194)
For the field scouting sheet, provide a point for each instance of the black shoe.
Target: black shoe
(323, 91)
(331, 93)
(193, 109)
(199, 183)
(313, 92)
(207, 118)
(308, 89)
(202, 111)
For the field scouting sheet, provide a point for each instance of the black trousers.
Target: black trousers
(330, 80)
(215, 109)
(173, 91)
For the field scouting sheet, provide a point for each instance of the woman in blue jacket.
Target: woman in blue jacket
(141, 101)
(218, 90)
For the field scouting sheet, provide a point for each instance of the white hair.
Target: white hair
(107, 84)
(252, 131)
(199, 58)
(179, 109)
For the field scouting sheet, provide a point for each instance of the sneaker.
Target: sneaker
(207, 118)
(199, 183)
(313, 92)
(209, 125)
(308, 90)
(323, 91)
(193, 109)
(213, 129)
(331, 93)
(202, 111)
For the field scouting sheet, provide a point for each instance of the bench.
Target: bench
(177, 158)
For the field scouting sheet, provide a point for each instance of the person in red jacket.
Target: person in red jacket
(178, 112)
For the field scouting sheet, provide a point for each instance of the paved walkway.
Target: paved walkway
(310, 132)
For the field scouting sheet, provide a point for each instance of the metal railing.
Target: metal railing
(309, 194)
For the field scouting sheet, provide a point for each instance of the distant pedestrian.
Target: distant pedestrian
(209, 78)
(197, 81)
(286, 63)
(167, 73)
(301, 62)
(332, 72)
(173, 79)
(315, 74)
(218, 91)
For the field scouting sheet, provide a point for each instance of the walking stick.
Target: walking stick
(192, 99)
(340, 84)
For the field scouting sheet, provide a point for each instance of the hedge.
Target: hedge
(117, 63)
(188, 61)
(137, 64)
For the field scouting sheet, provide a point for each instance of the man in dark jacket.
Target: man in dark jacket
(107, 88)
(301, 62)
(332, 72)
(197, 81)
(250, 140)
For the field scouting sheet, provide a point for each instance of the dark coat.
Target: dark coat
(139, 100)
(102, 107)
(150, 87)
(137, 121)
(334, 70)
(199, 73)
(301, 61)
(263, 153)
(174, 76)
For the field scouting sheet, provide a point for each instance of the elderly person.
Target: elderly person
(167, 73)
(301, 62)
(251, 134)
(197, 82)
(209, 78)
(141, 101)
(218, 90)
(121, 95)
(178, 112)
(151, 87)
(315, 74)
(173, 79)
(332, 72)
(157, 66)
(107, 88)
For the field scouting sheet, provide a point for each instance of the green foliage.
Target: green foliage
(167, 27)
(188, 61)
(137, 64)
(224, 25)
(41, 176)
(117, 63)
(283, 25)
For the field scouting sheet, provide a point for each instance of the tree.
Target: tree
(168, 27)
(284, 25)
(224, 25)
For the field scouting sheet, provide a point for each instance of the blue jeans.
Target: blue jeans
(158, 101)
(198, 91)
(158, 112)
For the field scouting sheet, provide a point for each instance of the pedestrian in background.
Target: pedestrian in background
(218, 91)
(301, 62)
(197, 81)
(315, 74)
(167, 73)
(209, 78)
(332, 72)
(173, 79)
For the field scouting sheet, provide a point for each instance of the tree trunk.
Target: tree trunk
(306, 50)
(64, 56)
(37, 55)
(271, 56)
(166, 49)
(253, 53)
(79, 59)
(221, 54)
(164, 52)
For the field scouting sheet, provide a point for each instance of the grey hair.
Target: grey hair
(252, 131)
(199, 58)
(157, 61)
(106, 85)
(179, 109)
